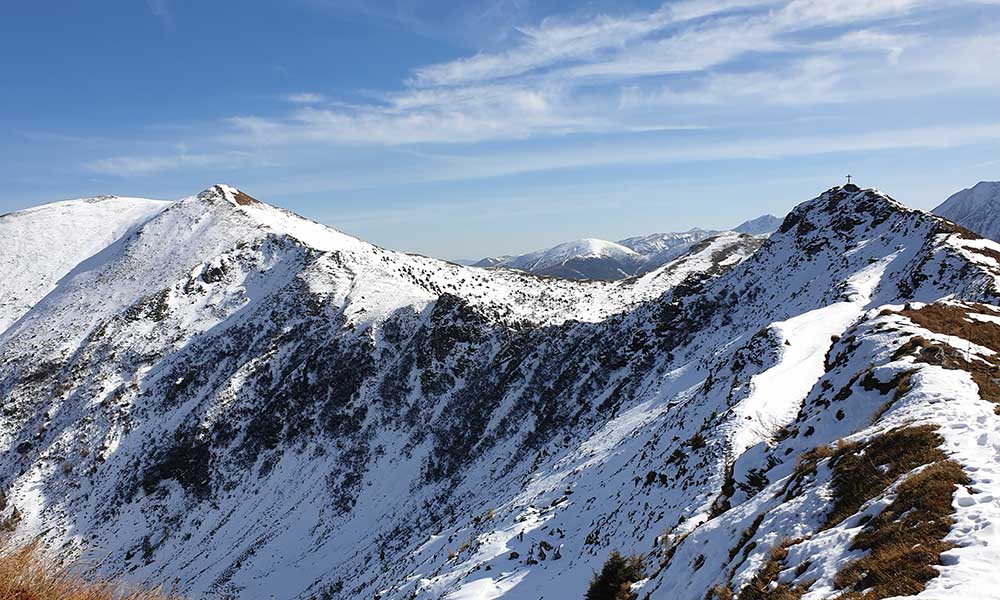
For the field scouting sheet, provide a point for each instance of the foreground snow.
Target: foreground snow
(250, 405)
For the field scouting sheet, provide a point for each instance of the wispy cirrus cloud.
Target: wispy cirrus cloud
(305, 98)
(681, 66)
(125, 166)
(598, 74)
(163, 11)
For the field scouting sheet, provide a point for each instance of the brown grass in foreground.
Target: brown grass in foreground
(904, 542)
(26, 575)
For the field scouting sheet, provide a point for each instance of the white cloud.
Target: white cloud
(143, 165)
(555, 41)
(680, 66)
(548, 43)
(755, 147)
(305, 98)
(692, 50)
(163, 11)
(439, 115)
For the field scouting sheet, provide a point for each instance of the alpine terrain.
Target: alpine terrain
(609, 261)
(218, 395)
(976, 208)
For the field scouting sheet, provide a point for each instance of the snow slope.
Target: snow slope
(976, 208)
(609, 261)
(664, 244)
(762, 225)
(42, 244)
(264, 406)
(544, 261)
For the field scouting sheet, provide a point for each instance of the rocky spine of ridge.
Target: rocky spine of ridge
(291, 411)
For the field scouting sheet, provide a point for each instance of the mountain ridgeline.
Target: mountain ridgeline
(976, 208)
(596, 259)
(241, 403)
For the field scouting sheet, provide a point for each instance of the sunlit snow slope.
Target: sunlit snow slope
(245, 404)
(976, 208)
(41, 245)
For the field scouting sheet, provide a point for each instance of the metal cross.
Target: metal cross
(848, 179)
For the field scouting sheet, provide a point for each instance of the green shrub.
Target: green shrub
(616, 578)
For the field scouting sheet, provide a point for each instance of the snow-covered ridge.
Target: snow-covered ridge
(762, 225)
(250, 405)
(42, 244)
(585, 248)
(597, 259)
(658, 243)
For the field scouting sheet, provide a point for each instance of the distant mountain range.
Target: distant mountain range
(976, 208)
(597, 259)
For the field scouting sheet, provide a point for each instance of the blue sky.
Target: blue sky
(463, 129)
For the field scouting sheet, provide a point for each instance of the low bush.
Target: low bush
(615, 580)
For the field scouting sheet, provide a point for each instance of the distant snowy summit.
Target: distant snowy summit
(592, 258)
(762, 225)
(976, 208)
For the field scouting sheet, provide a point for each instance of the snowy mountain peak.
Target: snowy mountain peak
(43, 243)
(586, 258)
(212, 391)
(254, 217)
(762, 225)
(976, 208)
(582, 248)
(229, 194)
(841, 206)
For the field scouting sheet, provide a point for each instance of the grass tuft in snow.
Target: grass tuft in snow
(26, 575)
(955, 320)
(862, 472)
(905, 540)
(765, 586)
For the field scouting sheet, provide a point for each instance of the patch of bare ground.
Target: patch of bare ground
(955, 321)
(905, 541)
(863, 471)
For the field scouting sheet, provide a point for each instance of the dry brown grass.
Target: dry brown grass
(905, 540)
(26, 575)
(862, 472)
(985, 373)
(954, 320)
(763, 586)
(720, 592)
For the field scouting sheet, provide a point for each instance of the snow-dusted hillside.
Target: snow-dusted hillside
(976, 208)
(248, 404)
(581, 259)
(41, 245)
(667, 244)
(762, 225)
(594, 259)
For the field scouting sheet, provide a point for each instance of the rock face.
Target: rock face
(245, 403)
(976, 208)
